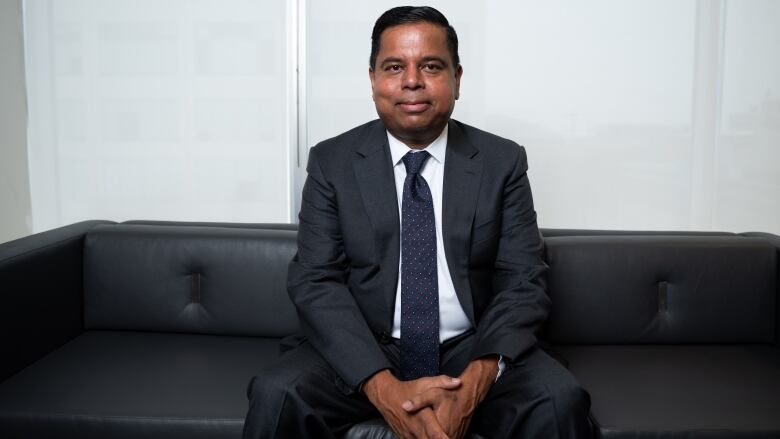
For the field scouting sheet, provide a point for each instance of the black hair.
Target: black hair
(412, 14)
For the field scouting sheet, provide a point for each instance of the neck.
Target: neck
(418, 140)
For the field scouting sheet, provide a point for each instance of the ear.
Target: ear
(458, 74)
(371, 76)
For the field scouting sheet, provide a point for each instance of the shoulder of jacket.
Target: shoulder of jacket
(347, 141)
(488, 142)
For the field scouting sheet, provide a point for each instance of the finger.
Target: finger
(431, 425)
(444, 381)
(429, 398)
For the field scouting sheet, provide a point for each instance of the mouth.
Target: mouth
(414, 106)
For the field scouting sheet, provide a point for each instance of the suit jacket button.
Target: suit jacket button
(385, 338)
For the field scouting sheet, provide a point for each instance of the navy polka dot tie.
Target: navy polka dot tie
(419, 282)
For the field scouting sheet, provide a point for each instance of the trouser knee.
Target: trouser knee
(269, 388)
(570, 400)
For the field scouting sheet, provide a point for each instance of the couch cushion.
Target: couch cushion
(189, 279)
(550, 233)
(133, 384)
(661, 289)
(378, 429)
(683, 391)
(265, 226)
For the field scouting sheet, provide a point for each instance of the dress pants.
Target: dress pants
(300, 396)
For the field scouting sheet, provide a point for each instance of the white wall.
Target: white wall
(15, 218)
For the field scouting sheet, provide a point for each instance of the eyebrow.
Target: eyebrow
(435, 58)
(393, 59)
(390, 59)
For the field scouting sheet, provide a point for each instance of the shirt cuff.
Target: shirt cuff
(501, 367)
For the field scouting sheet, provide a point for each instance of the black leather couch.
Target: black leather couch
(153, 329)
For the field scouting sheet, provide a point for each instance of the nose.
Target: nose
(412, 79)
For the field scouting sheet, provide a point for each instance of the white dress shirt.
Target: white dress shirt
(452, 319)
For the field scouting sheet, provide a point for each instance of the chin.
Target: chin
(416, 129)
(417, 123)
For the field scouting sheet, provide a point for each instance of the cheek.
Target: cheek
(384, 89)
(384, 98)
(445, 93)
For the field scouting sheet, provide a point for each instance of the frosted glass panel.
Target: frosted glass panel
(748, 192)
(636, 114)
(169, 110)
(598, 92)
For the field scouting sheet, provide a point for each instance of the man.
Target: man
(418, 278)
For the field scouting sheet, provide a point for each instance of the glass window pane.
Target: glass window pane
(164, 110)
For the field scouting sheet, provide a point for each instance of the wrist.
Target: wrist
(373, 384)
(488, 363)
(484, 369)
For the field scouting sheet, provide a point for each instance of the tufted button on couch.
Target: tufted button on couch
(153, 329)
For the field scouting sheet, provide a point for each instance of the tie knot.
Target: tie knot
(414, 161)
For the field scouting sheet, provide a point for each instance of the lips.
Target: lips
(414, 106)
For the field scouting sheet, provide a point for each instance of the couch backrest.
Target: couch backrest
(605, 288)
(208, 280)
(661, 289)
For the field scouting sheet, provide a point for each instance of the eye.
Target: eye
(431, 67)
(393, 68)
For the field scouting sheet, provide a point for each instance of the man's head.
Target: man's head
(408, 15)
(415, 72)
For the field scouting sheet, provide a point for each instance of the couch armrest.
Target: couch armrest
(774, 240)
(42, 295)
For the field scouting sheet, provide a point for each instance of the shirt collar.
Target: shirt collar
(437, 149)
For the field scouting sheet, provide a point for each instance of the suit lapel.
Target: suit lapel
(374, 173)
(462, 176)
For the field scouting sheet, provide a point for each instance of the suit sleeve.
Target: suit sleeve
(317, 284)
(520, 304)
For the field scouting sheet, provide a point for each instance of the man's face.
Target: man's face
(414, 82)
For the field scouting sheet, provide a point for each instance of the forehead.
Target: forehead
(413, 39)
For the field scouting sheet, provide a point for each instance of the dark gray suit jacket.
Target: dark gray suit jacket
(343, 278)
